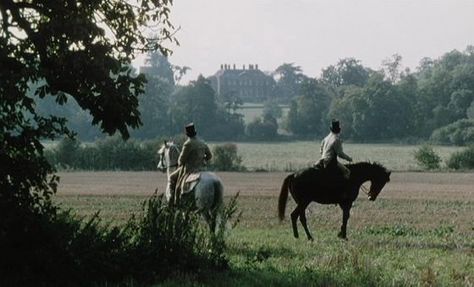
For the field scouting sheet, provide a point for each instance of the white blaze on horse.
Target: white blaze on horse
(206, 186)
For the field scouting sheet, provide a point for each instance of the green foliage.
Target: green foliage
(171, 239)
(288, 84)
(154, 109)
(445, 90)
(66, 251)
(342, 108)
(197, 103)
(228, 126)
(266, 129)
(427, 158)
(111, 153)
(271, 108)
(226, 158)
(395, 230)
(56, 249)
(458, 133)
(347, 72)
(307, 115)
(463, 159)
(77, 51)
(67, 152)
(377, 111)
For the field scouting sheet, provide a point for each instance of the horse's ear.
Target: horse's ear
(165, 142)
(389, 173)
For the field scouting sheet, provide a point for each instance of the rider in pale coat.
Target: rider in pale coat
(331, 148)
(193, 157)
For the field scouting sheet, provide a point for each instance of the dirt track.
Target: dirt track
(407, 185)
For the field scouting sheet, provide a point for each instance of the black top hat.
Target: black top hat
(190, 130)
(335, 128)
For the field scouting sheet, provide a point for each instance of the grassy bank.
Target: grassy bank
(417, 233)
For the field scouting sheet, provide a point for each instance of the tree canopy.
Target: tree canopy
(76, 50)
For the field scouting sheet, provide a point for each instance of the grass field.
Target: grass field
(286, 156)
(419, 232)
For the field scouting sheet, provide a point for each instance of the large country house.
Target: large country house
(249, 84)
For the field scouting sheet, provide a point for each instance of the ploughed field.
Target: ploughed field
(419, 231)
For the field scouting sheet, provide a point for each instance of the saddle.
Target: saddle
(331, 173)
(190, 182)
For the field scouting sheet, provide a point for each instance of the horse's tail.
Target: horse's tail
(284, 196)
(218, 193)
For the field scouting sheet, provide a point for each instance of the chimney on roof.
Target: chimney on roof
(222, 67)
(250, 67)
(234, 66)
(256, 66)
(243, 67)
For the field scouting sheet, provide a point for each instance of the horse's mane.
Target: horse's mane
(368, 164)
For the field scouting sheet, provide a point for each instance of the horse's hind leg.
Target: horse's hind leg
(303, 221)
(294, 218)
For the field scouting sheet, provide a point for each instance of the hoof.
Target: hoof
(342, 236)
(311, 239)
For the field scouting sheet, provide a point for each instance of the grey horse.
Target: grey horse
(208, 192)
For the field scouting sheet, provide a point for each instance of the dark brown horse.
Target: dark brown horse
(324, 187)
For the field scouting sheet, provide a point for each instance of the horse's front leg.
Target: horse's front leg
(346, 208)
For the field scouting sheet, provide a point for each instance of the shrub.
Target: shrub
(226, 158)
(462, 160)
(172, 239)
(108, 154)
(265, 129)
(457, 133)
(427, 158)
(56, 248)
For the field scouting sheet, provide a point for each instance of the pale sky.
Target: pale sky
(314, 34)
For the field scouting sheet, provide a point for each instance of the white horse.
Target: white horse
(208, 192)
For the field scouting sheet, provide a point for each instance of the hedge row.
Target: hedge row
(115, 154)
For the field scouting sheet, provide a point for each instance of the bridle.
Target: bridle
(365, 189)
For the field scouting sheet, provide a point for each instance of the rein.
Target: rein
(364, 189)
(176, 149)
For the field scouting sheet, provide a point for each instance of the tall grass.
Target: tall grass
(160, 242)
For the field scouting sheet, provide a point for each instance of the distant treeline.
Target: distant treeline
(113, 153)
(435, 102)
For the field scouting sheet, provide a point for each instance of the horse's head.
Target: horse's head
(380, 177)
(161, 158)
(168, 156)
(377, 174)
